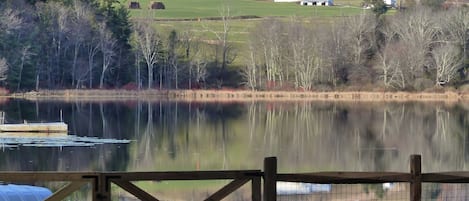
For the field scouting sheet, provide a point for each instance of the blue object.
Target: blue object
(298, 188)
(13, 192)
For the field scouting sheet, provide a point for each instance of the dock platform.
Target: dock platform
(54, 127)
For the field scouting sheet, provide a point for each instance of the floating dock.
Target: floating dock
(20, 134)
(55, 127)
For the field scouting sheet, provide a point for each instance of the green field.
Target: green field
(193, 16)
(184, 9)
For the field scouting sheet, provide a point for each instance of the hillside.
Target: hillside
(181, 9)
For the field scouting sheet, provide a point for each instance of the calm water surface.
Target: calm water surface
(305, 136)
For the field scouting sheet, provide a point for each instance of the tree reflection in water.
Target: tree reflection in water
(306, 136)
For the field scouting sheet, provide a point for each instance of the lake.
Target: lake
(305, 136)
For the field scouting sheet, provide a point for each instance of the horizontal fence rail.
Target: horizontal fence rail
(101, 181)
(76, 179)
(346, 177)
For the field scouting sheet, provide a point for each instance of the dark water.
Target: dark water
(305, 136)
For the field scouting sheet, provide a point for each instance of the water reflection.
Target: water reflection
(17, 139)
(306, 136)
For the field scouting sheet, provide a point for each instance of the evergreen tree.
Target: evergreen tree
(378, 6)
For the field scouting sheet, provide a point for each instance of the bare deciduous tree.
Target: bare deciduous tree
(199, 65)
(223, 44)
(80, 29)
(148, 44)
(304, 57)
(250, 72)
(267, 44)
(447, 61)
(92, 50)
(54, 19)
(172, 60)
(188, 44)
(3, 69)
(9, 20)
(417, 29)
(198, 61)
(336, 53)
(25, 55)
(186, 40)
(107, 45)
(457, 28)
(360, 35)
(389, 67)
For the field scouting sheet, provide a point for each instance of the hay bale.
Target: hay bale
(157, 5)
(134, 5)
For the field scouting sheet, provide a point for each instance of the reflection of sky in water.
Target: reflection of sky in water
(62, 141)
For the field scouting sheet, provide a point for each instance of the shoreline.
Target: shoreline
(239, 95)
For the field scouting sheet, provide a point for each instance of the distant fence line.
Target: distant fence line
(101, 181)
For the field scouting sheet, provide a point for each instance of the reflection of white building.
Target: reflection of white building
(298, 188)
(316, 3)
(391, 3)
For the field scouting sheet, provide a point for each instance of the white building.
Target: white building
(316, 3)
(392, 3)
(389, 3)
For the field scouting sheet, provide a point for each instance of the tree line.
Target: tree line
(415, 49)
(53, 44)
(56, 44)
(63, 44)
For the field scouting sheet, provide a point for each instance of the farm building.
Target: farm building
(310, 2)
(392, 3)
(389, 3)
(316, 3)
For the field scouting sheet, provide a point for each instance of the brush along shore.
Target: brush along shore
(238, 95)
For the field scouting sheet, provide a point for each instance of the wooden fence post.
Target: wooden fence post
(101, 188)
(270, 179)
(416, 172)
(256, 189)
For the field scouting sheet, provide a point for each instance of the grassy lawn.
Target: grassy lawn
(238, 35)
(183, 9)
(185, 15)
(197, 10)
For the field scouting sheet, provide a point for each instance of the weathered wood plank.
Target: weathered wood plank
(226, 190)
(270, 179)
(102, 189)
(45, 176)
(34, 127)
(256, 194)
(351, 174)
(66, 191)
(416, 183)
(32, 134)
(345, 177)
(446, 177)
(134, 190)
(130, 176)
(187, 175)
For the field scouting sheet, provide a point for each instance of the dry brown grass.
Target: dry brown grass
(240, 95)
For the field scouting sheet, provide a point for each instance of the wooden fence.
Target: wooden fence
(101, 181)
